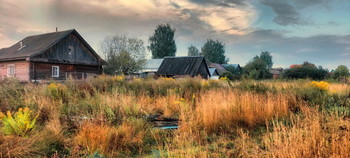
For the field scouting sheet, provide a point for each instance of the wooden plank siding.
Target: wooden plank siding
(43, 71)
(59, 53)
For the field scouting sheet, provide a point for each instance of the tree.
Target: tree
(123, 54)
(306, 70)
(266, 56)
(193, 51)
(341, 72)
(162, 42)
(257, 69)
(214, 52)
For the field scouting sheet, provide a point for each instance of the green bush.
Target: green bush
(11, 95)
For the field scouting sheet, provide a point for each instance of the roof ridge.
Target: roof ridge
(70, 30)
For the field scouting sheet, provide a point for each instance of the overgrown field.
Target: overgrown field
(108, 117)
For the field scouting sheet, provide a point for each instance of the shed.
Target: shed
(184, 66)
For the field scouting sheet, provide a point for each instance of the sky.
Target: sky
(293, 31)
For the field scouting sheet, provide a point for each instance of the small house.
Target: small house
(50, 56)
(276, 72)
(184, 66)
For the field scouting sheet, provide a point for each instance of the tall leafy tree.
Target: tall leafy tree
(162, 42)
(267, 57)
(193, 51)
(123, 54)
(214, 51)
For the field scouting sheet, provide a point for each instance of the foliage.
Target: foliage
(123, 54)
(21, 124)
(228, 75)
(341, 72)
(306, 70)
(233, 70)
(193, 51)
(214, 51)
(267, 57)
(11, 94)
(162, 42)
(257, 69)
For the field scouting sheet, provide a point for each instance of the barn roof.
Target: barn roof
(187, 65)
(37, 44)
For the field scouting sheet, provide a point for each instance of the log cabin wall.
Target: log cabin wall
(43, 71)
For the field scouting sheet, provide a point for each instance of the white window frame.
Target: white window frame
(11, 70)
(55, 71)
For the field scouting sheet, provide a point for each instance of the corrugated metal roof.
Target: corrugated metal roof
(188, 65)
(37, 44)
(152, 65)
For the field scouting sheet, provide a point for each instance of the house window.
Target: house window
(70, 50)
(11, 70)
(55, 71)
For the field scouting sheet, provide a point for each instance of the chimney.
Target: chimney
(20, 45)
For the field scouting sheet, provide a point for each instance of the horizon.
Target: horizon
(293, 31)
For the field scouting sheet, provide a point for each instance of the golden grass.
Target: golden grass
(225, 121)
(222, 110)
(315, 135)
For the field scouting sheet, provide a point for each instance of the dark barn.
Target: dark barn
(184, 66)
(51, 56)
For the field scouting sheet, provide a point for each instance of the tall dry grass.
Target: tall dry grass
(311, 135)
(222, 110)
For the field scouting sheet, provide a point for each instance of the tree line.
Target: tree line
(126, 55)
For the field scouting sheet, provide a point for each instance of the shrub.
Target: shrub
(21, 124)
(11, 95)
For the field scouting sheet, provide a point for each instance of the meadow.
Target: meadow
(108, 117)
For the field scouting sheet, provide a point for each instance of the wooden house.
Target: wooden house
(184, 66)
(51, 56)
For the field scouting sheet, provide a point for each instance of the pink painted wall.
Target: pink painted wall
(21, 70)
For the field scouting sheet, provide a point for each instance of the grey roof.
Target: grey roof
(152, 65)
(187, 65)
(218, 67)
(37, 44)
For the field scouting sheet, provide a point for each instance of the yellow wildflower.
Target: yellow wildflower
(322, 85)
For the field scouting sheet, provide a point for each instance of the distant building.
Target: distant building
(214, 73)
(276, 72)
(219, 68)
(184, 66)
(51, 56)
(150, 68)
